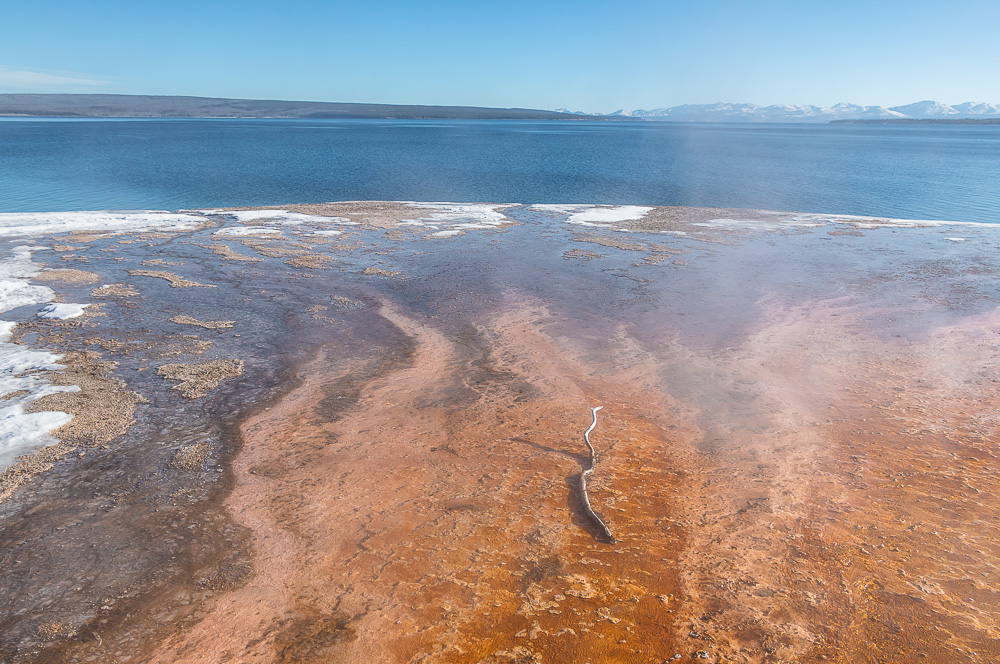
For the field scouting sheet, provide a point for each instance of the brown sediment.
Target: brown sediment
(85, 237)
(13, 395)
(379, 272)
(273, 249)
(409, 530)
(655, 259)
(336, 245)
(175, 280)
(312, 261)
(156, 346)
(154, 262)
(581, 254)
(346, 302)
(610, 241)
(74, 277)
(207, 324)
(377, 214)
(665, 217)
(29, 465)
(660, 248)
(371, 214)
(56, 331)
(196, 380)
(65, 247)
(165, 235)
(192, 456)
(227, 253)
(174, 345)
(103, 409)
(120, 290)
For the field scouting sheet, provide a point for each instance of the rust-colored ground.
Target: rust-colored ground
(437, 520)
(808, 496)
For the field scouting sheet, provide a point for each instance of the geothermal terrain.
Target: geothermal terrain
(353, 432)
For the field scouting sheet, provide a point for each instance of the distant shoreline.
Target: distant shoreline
(154, 106)
(932, 121)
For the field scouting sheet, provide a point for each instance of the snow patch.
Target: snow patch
(15, 291)
(62, 311)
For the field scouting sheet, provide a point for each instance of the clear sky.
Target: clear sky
(578, 54)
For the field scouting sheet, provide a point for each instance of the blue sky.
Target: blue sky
(580, 54)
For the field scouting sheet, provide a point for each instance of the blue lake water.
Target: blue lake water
(913, 171)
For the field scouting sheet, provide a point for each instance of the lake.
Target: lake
(926, 172)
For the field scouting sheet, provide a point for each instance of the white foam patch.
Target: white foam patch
(955, 239)
(22, 432)
(326, 233)
(448, 233)
(50, 223)
(62, 311)
(236, 231)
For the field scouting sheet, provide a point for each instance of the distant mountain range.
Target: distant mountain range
(721, 112)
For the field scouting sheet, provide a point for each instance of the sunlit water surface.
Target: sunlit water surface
(924, 172)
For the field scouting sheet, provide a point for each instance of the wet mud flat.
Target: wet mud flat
(354, 432)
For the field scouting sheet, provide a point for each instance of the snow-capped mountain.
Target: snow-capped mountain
(977, 108)
(927, 109)
(722, 112)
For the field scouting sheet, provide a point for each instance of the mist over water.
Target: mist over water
(924, 172)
